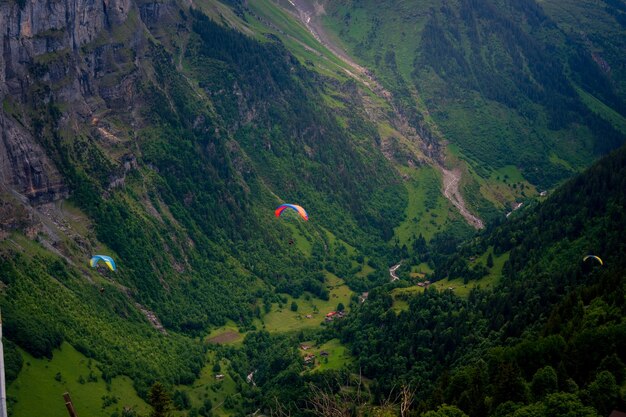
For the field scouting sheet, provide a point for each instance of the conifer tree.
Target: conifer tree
(490, 260)
(160, 400)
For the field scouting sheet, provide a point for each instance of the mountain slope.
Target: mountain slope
(499, 79)
(165, 138)
(548, 338)
(174, 138)
(552, 313)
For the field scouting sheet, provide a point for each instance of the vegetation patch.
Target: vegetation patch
(214, 392)
(309, 312)
(228, 336)
(38, 389)
(606, 112)
(331, 355)
(427, 211)
(457, 285)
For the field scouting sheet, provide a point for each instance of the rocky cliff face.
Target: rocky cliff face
(24, 166)
(45, 57)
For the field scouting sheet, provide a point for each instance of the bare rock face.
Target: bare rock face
(44, 27)
(43, 48)
(24, 166)
(13, 216)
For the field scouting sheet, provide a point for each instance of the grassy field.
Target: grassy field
(338, 355)
(300, 240)
(282, 319)
(334, 241)
(456, 285)
(208, 387)
(397, 26)
(419, 271)
(428, 211)
(227, 334)
(69, 371)
(617, 120)
(295, 37)
(506, 185)
(365, 271)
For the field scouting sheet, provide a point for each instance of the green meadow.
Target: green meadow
(299, 239)
(337, 356)
(227, 334)
(420, 271)
(617, 120)
(69, 371)
(428, 211)
(456, 285)
(209, 390)
(296, 37)
(282, 319)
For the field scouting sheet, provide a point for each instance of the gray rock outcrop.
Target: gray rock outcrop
(44, 58)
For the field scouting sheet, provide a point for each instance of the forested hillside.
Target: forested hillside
(165, 134)
(549, 339)
(517, 83)
(174, 153)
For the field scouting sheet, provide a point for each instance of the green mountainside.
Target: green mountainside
(552, 317)
(509, 82)
(181, 192)
(548, 339)
(165, 136)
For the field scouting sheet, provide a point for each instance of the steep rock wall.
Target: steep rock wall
(43, 59)
(24, 166)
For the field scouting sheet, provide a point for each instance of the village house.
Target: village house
(330, 316)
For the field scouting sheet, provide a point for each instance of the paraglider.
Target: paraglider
(106, 259)
(597, 258)
(295, 207)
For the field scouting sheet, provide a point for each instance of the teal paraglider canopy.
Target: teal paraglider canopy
(106, 259)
